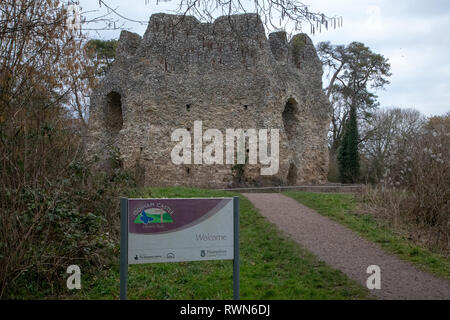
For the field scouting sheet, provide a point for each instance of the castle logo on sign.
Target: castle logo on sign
(153, 215)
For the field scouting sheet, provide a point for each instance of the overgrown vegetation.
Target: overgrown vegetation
(396, 238)
(298, 47)
(414, 191)
(53, 210)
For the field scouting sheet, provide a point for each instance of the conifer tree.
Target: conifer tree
(348, 153)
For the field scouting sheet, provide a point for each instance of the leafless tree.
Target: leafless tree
(276, 14)
(44, 82)
(385, 130)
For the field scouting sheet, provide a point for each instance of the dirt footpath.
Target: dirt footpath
(343, 249)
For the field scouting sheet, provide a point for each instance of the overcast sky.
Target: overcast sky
(413, 34)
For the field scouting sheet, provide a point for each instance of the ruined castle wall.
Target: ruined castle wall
(227, 74)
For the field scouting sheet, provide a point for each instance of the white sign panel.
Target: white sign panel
(174, 230)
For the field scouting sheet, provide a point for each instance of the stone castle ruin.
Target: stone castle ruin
(226, 74)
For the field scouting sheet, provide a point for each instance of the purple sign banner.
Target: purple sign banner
(151, 216)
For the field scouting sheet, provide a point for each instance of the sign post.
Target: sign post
(123, 248)
(175, 230)
(236, 248)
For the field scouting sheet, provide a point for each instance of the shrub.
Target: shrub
(415, 189)
(53, 210)
(55, 213)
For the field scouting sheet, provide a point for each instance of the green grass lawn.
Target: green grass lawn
(340, 208)
(272, 267)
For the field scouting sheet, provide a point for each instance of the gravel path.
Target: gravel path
(343, 249)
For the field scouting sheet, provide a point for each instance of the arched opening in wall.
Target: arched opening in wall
(290, 121)
(113, 113)
(292, 175)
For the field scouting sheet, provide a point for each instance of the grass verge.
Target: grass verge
(272, 267)
(341, 208)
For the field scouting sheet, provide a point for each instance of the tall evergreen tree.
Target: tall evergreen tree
(348, 152)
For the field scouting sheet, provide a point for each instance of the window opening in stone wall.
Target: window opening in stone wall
(114, 117)
(290, 121)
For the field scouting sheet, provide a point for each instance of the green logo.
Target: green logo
(153, 215)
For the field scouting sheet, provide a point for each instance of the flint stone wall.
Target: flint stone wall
(227, 74)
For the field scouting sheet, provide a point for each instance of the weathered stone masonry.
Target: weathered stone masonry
(227, 74)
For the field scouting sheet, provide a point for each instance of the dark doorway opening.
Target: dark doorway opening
(292, 175)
